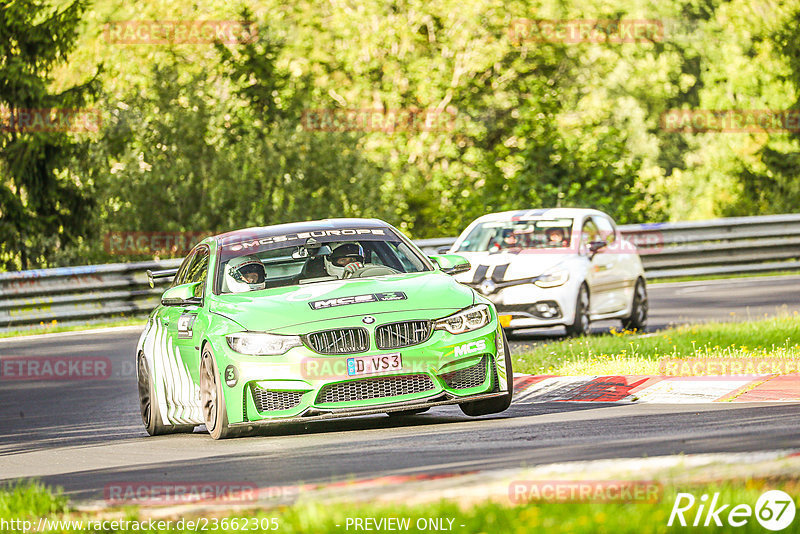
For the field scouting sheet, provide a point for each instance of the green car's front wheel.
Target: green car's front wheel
(498, 404)
(212, 398)
(148, 407)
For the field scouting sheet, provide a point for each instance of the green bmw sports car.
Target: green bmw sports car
(316, 320)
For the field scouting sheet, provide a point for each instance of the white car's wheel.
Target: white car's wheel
(580, 326)
(637, 320)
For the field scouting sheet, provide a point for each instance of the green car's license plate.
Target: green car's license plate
(368, 365)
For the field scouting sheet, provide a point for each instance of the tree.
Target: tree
(223, 148)
(772, 185)
(43, 205)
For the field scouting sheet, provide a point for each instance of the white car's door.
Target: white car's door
(613, 260)
(600, 277)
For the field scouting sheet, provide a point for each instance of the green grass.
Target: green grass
(720, 277)
(51, 328)
(30, 499)
(631, 353)
(34, 501)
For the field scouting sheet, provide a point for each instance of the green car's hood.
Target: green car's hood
(276, 309)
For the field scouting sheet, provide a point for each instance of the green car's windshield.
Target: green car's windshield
(298, 265)
(524, 234)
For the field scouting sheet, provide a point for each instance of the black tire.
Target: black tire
(580, 325)
(497, 404)
(639, 309)
(406, 413)
(212, 398)
(151, 418)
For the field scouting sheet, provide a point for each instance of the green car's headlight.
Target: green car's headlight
(261, 344)
(553, 279)
(465, 320)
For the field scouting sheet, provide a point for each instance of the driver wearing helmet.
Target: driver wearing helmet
(345, 259)
(245, 273)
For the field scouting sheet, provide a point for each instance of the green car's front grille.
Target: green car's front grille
(403, 334)
(271, 401)
(375, 388)
(339, 341)
(467, 378)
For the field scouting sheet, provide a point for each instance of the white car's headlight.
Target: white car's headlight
(261, 344)
(465, 320)
(554, 279)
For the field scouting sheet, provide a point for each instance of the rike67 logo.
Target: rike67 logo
(774, 510)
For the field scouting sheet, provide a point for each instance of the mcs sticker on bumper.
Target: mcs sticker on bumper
(470, 348)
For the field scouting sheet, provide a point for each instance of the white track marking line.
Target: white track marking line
(689, 391)
(94, 331)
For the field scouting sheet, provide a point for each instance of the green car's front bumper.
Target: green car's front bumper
(302, 384)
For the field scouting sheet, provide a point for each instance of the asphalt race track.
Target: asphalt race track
(85, 435)
(713, 300)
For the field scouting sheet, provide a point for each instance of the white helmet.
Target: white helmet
(345, 257)
(245, 273)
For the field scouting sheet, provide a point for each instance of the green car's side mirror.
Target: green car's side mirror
(182, 295)
(451, 263)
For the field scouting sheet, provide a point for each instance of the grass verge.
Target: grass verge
(633, 353)
(699, 278)
(32, 502)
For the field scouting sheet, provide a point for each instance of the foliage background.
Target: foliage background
(210, 137)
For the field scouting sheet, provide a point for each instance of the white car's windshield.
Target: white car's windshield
(528, 234)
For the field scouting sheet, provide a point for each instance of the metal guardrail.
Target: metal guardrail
(78, 294)
(668, 250)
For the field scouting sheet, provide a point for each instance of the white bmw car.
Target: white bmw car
(555, 267)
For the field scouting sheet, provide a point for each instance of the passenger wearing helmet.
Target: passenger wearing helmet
(245, 273)
(345, 259)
